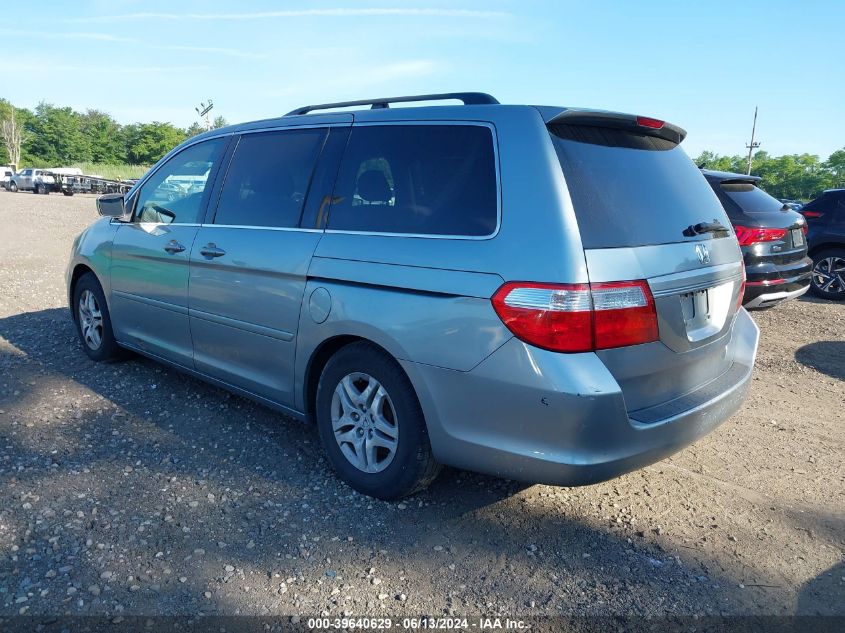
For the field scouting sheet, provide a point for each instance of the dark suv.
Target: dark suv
(772, 238)
(826, 220)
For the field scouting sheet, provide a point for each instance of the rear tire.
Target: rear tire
(13, 187)
(371, 424)
(828, 279)
(93, 322)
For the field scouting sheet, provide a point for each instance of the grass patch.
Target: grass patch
(112, 172)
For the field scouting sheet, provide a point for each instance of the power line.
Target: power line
(203, 110)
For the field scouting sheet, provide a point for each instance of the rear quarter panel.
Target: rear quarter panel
(435, 317)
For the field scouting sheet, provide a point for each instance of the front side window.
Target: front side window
(175, 192)
(268, 178)
(417, 179)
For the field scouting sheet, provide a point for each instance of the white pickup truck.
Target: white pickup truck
(35, 180)
(6, 173)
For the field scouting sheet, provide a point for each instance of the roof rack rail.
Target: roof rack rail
(468, 98)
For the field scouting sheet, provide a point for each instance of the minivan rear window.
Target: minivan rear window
(631, 189)
(418, 179)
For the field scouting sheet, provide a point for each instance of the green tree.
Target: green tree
(55, 137)
(795, 176)
(194, 129)
(6, 112)
(711, 160)
(103, 134)
(147, 142)
(835, 166)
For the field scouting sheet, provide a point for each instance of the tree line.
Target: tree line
(51, 136)
(793, 176)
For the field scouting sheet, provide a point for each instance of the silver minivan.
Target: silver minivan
(540, 293)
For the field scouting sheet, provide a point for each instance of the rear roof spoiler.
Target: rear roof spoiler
(600, 118)
(730, 177)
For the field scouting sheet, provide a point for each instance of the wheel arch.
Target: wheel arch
(318, 360)
(79, 270)
(825, 246)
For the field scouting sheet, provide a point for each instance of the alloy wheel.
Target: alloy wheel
(90, 320)
(829, 274)
(364, 422)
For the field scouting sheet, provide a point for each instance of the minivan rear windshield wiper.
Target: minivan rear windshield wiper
(705, 227)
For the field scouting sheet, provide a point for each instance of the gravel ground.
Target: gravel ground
(131, 489)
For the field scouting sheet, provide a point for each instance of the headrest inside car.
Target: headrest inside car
(373, 187)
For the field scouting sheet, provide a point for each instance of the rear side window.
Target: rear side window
(417, 179)
(631, 189)
(268, 178)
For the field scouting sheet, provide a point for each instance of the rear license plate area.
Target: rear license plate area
(707, 311)
(696, 308)
(797, 237)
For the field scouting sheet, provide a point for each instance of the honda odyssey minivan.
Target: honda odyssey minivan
(546, 294)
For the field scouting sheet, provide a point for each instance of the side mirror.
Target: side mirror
(111, 205)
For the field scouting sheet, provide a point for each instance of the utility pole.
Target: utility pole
(203, 110)
(752, 145)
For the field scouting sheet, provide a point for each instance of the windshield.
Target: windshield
(630, 189)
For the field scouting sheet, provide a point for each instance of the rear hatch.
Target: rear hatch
(769, 232)
(645, 212)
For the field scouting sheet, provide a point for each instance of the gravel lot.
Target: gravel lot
(131, 489)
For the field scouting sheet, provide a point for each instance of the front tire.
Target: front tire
(371, 424)
(828, 279)
(93, 322)
(13, 187)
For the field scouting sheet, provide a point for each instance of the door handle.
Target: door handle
(210, 250)
(174, 247)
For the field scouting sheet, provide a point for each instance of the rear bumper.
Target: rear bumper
(779, 285)
(561, 419)
(767, 296)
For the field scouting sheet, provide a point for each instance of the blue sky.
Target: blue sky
(702, 65)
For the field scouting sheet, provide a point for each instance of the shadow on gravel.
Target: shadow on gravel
(161, 396)
(827, 357)
(208, 502)
(148, 465)
(824, 594)
(809, 297)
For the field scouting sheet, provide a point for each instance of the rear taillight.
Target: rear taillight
(805, 228)
(741, 290)
(752, 235)
(578, 317)
(812, 215)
